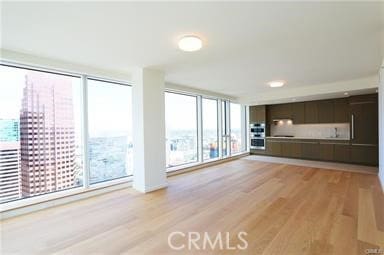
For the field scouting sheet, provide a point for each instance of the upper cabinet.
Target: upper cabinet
(298, 113)
(257, 113)
(279, 111)
(325, 110)
(311, 112)
(341, 110)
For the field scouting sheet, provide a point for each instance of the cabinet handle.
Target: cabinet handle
(336, 143)
(364, 144)
(353, 127)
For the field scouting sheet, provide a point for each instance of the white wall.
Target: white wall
(381, 126)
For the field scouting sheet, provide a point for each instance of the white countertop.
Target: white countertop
(311, 138)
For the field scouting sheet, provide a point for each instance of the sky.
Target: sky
(109, 109)
(180, 112)
(11, 87)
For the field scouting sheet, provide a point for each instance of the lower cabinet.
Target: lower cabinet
(327, 151)
(274, 148)
(310, 150)
(286, 148)
(291, 149)
(336, 151)
(342, 153)
(364, 154)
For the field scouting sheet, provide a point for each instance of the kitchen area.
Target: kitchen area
(341, 130)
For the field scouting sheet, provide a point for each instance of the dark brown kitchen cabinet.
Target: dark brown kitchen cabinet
(291, 149)
(342, 153)
(325, 110)
(364, 120)
(311, 112)
(273, 148)
(286, 148)
(310, 150)
(257, 113)
(271, 113)
(296, 150)
(364, 154)
(341, 110)
(298, 113)
(326, 151)
(279, 111)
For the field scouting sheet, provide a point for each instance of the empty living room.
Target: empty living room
(191, 127)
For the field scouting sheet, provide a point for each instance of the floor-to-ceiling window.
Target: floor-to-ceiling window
(181, 129)
(201, 129)
(210, 129)
(110, 130)
(40, 132)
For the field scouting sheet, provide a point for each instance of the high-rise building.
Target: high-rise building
(10, 188)
(47, 134)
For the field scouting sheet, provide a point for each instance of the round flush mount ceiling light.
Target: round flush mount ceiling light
(190, 43)
(276, 84)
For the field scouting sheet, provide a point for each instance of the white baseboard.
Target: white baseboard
(30, 208)
(150, 189)
(207, 164)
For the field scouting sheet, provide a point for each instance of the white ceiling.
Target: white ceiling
(245, 44)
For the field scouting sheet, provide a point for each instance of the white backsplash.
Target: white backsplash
(311, 130)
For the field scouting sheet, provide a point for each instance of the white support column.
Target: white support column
(148, 130)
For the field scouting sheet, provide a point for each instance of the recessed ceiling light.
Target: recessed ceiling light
(276, 84)
(190, 43)
(346, 93)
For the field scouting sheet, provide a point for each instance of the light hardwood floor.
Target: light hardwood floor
(284, 209)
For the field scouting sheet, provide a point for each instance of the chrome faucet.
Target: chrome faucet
(336, 134)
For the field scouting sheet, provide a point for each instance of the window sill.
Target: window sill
(194, 166)
(67, 195)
